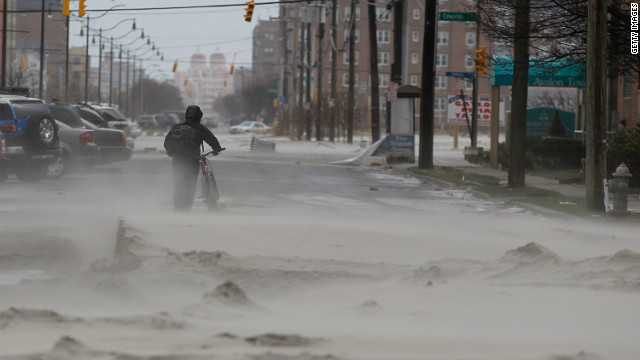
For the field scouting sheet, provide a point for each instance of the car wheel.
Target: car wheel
(31, 172)
(58, 168)
(42, 131)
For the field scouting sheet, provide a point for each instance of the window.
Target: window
(383, 80)
(383, 58)
(269, 36)
(384, 36)
(468, 84)
(268, 51)
(347, 13)
(77, 61)
(383, 14)
(471, 39)
(440, 104)
(468, 61)
(443, 38)
(416, 14)
(345, 79)
(441, 59)
(356, 59)
(356, 37)
(414, 58)
(414, 80)
(627, 85)
(441, 82)
(415, 36)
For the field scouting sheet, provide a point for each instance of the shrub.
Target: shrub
(550, 153)
(624, 147)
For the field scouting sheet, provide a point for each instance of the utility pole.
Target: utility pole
(396, 66)
(111, 73)
(301, 80)
(351, 96)
(308, 89)
(476, 83)
(100, 68)
(519, 103)
(41, 88)
(66, 63)
(4, 44)
(425, 152)
(320, 75)
(334, 87)
(120, 78)
(596, 104)
(86, 67)
(126, 97)
(373, 64)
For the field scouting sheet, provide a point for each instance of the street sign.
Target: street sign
(457, 16)
(459, 74)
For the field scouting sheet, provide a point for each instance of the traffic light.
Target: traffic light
(481, 60)
(231, 71)
(65, 7)
(175, 66)
(23, 63)
(81, 8)
(249, 10)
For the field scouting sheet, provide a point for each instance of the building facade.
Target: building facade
(204, 80)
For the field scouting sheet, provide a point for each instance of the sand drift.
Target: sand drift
(146, 301)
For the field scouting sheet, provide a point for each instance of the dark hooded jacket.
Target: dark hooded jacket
(193, 115)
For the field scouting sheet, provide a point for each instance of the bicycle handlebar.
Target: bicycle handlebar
(213, 152)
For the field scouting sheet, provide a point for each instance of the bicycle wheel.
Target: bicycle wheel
(210, 191)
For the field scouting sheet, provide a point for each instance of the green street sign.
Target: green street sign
(457, 16)
(273, 91)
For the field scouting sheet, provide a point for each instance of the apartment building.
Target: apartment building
(456, 42)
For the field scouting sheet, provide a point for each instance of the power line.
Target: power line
(174, 7)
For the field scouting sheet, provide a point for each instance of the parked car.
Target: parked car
(209, 122)
(249, 126)
(30, 134)
(117, 120)
(88, 113)
(166, 120)
(78, 148)
(112, 142)
(66, 114)
(147, 122)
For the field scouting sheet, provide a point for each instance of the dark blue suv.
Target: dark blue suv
(31, 136)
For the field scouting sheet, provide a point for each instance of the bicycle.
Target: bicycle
(209, 187)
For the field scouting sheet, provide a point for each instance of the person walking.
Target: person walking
(185, 155)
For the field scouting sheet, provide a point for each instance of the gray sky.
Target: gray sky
(177, 33)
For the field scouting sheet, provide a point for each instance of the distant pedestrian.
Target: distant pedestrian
(183, 144)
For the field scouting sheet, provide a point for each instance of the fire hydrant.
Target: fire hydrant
(619, 186)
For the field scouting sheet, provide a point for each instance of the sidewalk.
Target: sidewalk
(445, 155)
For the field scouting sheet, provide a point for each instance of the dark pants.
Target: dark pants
(185, 180)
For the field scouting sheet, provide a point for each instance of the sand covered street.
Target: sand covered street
(305, 260)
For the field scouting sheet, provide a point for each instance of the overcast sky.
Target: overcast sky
(177, 33)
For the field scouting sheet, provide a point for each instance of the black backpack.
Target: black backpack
(180, 141)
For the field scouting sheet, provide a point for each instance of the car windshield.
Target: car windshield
(26, 108)
(111, 114)
(245, 123)
(89, 124)
(90, 115)
(62, 125)
(67, 116)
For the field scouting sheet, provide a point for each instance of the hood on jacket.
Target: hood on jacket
(193, 114)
